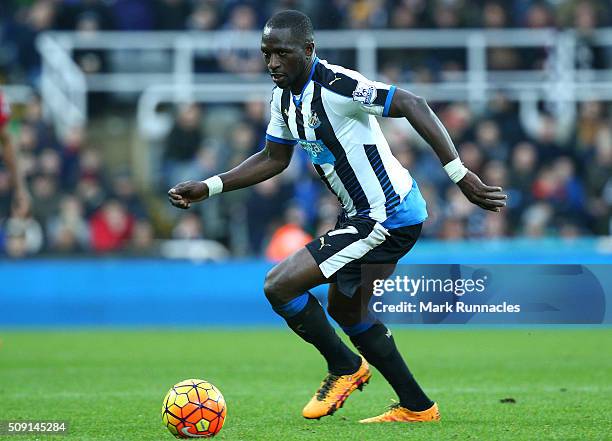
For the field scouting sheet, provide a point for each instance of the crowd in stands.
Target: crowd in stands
(22, 20)
(559, 179)
(77, 206)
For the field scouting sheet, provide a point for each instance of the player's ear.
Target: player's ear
(309, 49)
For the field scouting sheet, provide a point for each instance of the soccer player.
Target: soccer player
(21, 196)
(331, 112)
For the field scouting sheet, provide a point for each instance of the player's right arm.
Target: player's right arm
(273, 159)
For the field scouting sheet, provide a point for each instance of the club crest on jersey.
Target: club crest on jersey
(313, 121)
(364, 93)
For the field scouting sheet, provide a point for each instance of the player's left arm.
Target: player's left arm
(415, 109)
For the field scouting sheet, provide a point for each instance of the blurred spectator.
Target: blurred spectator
(489, 139)
(243, 142)
(24, 237)
(91, 193)
(239, 61)
(367, 14)
(446, 15)
(521, 177)
(494, 15)
(539, 15)
(73, 145)
(590, 121)
(585, 16)
(38, 18)
(189, 226)
(5, 194)
(404, 17)
(90, 165)
(124, 190)
(143, 238)
(171, 15)
(257, 116)
(599, 184)
(68, 231)
(203, 18)
(505, 114)
(111, 227)
(453, 228)
(471, 156)
(536, 220)
(290, 237)
(457, 119)
(85, 14)
(265, 207)
(91, 61)
(45, 197)
(133, 15)
(495, 225)
(33, 118)
(49, 163)
(182, 144)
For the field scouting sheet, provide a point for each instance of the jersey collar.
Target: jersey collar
(298, 101)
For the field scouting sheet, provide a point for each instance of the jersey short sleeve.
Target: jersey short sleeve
(5, 110)
(355, 93)
(373, 97)
(277, 130)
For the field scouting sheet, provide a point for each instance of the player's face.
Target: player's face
(286, 59)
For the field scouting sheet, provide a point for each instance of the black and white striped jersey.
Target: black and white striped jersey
(334, 121)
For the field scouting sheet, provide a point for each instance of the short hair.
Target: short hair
(298, 22)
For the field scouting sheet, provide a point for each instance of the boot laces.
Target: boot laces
(327, 385)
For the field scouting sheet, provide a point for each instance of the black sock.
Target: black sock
(311, 324)
(378, 347)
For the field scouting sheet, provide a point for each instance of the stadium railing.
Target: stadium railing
(559, 83)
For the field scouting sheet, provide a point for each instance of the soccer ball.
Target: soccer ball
(194, 409)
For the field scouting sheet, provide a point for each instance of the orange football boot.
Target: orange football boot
(334, 391)
(399, 414)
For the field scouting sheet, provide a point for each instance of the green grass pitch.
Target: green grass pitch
(109, 385)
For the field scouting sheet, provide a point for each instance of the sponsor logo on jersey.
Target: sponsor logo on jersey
(364, 93)
(318, 151)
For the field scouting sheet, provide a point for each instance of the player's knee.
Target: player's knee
(273, 287)
(270, 286)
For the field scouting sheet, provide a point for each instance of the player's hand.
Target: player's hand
(485, 196)
(184, 194)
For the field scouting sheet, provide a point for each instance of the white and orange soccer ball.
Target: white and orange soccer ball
(194, 409)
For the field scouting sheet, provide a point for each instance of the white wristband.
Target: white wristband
(455, 170)
(214, 184)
